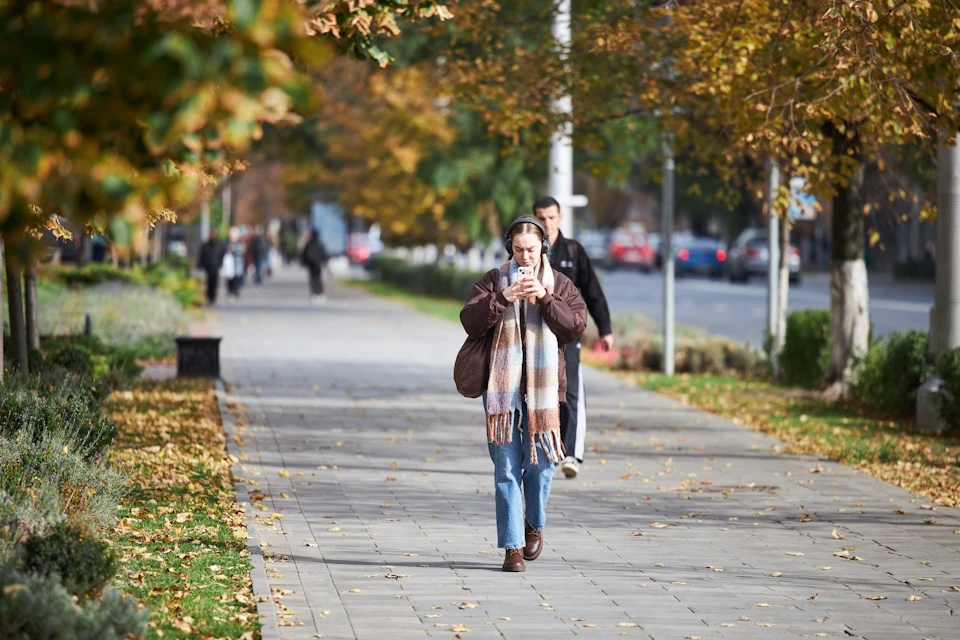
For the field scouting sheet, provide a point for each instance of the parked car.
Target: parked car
(656, 241)
(749, 256)
(358, 248)
(596, 242)
(699, 255)
(629, 248)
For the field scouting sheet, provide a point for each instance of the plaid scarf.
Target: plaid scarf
(506, 362)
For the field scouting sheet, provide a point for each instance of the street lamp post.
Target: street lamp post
(773, 250)
(666, 235)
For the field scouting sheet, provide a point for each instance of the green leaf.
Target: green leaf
(116, 187)
(121, 231)
(246, 12)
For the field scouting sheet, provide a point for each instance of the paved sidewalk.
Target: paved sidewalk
(373, 503)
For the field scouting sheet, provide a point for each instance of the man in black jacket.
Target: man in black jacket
(569, 258)
(211, 257)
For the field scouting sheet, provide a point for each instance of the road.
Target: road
(739, 311)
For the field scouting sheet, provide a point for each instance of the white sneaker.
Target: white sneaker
(570, 467)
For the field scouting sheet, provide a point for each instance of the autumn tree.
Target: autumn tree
(116, 113)
(820, 87)
(365, 143)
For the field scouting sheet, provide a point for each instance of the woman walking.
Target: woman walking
(527, 313)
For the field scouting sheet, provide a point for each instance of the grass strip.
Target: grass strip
(927, 464)
(180, 533)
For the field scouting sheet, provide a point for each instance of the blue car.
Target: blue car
(700, 256)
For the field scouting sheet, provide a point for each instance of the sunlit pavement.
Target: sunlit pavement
(377, 511)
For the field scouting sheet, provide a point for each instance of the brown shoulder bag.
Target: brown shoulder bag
(472, 366)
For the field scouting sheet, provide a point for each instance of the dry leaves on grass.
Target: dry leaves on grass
(180, 534)
(922, 463)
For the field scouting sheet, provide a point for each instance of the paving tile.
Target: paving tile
(350, 411)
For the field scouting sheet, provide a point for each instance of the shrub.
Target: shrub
(34, 607)
(72, 354)
(890, 373)
(806, 350)
(948, 366)
(38, 406)
(119, 313)
(48, 473)
(93, 274)
(745, 360)
(83, 564)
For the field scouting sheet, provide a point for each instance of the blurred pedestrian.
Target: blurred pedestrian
(233, 263)
(570, 258)
(314, 258)
(210, 262)
(525, 313)
(258, 254)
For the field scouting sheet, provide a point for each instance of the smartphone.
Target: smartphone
(522, 274)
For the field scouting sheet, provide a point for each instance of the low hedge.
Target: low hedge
(806, 349)
(172, 274)
(438, 281)
(948, 366)
(107, 366)
(888, 376)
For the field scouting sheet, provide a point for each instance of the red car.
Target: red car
(629, 248)
(358, 248)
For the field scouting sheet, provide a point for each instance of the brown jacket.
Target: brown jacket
(564, 311)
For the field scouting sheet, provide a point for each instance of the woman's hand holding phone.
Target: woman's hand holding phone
(526, 287)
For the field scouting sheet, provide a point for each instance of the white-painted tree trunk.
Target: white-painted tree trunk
(850, 321)
(783, 294)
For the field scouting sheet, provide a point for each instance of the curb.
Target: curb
(266, 612)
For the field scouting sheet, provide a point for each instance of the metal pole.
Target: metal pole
(773, 250)
(948, 244)
(560, 179)
(945, 315)
(666, 234)
(204, 220)
(227, 194)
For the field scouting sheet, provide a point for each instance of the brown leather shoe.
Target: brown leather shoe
(513, 561)
(534, 542)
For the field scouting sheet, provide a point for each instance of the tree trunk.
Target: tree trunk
(82, 247)
(849, 295)
(18, 329)
(783, 291)
(30, 301)
(2, 367)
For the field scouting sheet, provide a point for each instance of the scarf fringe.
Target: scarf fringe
(552, 446)
(499, 429)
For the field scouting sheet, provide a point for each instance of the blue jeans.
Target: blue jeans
(519, 484)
